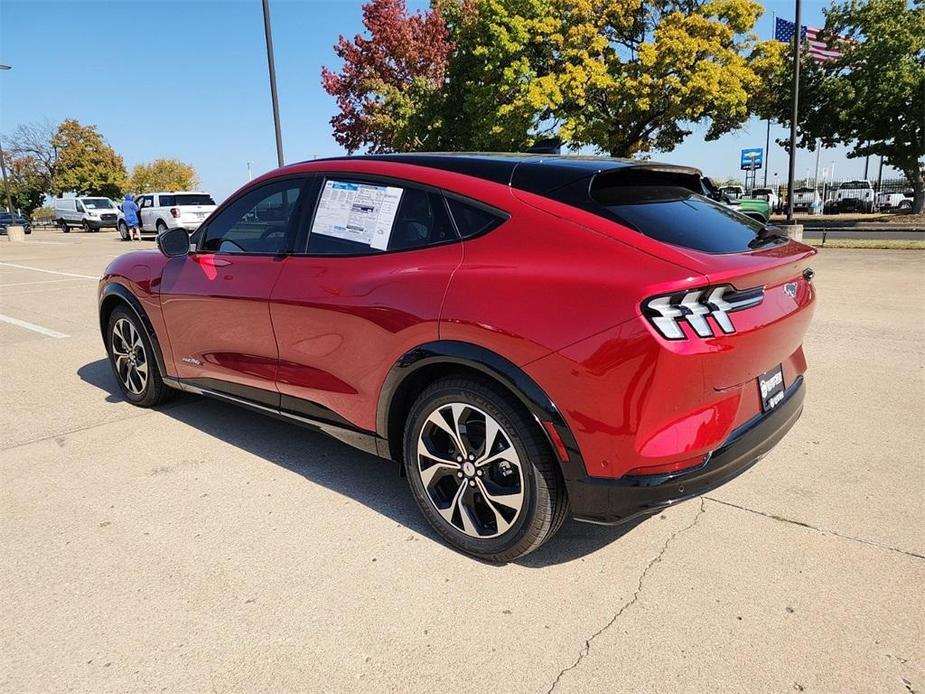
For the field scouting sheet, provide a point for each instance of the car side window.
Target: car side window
(167, 200)
(472, 220)
(257, 222)
(365, 218)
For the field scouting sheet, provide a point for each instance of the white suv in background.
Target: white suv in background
(159, 212)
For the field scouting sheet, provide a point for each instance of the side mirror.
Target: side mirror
(174, 243)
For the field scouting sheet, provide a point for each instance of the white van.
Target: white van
(90, 214)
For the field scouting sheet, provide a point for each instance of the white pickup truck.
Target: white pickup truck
(855, 196)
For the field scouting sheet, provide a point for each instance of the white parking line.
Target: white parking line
(50, 272)
(32, 326)
(20, 284)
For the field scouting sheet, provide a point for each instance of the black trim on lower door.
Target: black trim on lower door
(293, 410)
(261, 396)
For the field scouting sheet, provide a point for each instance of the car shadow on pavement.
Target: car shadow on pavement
(371, 481)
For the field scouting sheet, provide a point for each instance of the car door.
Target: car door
(215, 301)
(364, 288)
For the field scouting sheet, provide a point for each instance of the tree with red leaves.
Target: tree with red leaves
(387, 79)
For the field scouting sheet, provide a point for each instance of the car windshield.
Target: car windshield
(97, 203)
(681, 217)
(854, 184)
(188, 199)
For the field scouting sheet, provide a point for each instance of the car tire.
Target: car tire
(905, 205)
(63, 226)
(161, 227)
(132, 359)
(460, 496)
(123, 231)
(85, 227)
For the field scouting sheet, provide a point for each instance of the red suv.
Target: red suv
(529, 336)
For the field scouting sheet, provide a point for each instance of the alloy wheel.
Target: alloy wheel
(470, 471)
(129, 356)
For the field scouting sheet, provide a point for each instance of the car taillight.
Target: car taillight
(695, 306)
(175, 213)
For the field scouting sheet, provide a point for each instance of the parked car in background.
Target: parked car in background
(159, 212)
(6, 219)
(759, 210)
(806, 200)
(732, 192)
(530, 337)
(767, 194)
(855, 196)
(87, 213)
(890, 201)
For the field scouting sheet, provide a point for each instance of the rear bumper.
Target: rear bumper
(612, 501)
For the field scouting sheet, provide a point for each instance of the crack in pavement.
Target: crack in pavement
(629, 603)
(818, 530)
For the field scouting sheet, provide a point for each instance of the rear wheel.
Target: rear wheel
(480, 470)
(123, 231)
(161, 227)
(132, 359)
(63, 226)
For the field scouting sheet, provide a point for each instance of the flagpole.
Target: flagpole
(796, 100)
(767, 137)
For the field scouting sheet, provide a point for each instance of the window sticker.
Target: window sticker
(359, 212)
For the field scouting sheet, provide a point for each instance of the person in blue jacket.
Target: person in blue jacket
(130, 210)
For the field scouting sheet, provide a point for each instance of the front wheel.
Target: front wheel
(481, 471)
(132, 359)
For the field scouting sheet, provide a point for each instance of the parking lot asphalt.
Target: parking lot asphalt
(203, 547)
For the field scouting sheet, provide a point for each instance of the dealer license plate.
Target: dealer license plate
(771, 387)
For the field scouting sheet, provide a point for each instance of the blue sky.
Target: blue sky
(188, 79)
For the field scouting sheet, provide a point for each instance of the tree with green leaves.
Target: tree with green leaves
(27, 185)
(632, 76)
(85, 163)
(623, 76)
(163, 174)
(872, 98)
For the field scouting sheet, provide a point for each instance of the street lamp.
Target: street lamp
(6, 183)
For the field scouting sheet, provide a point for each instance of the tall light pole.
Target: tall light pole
(271, 65)
(6, 183)
(797, 39)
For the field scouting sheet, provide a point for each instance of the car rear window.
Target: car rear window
(186, 199)
(679, 216)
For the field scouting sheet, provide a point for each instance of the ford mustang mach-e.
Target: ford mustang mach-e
(529, 336)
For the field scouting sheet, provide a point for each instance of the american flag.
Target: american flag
(818, 49)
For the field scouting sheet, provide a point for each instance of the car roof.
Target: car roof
(536, 173)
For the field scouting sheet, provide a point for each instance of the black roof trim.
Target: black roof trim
(534, 173)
